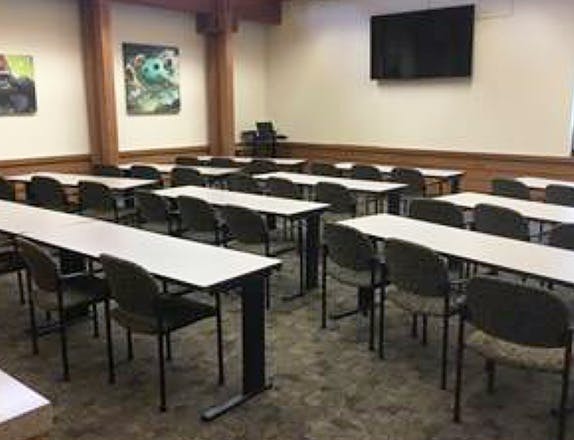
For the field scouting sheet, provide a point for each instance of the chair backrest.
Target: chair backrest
(562, 236)
(196, 215)
(411, 177)
(47, 192)
(324, 169)
(96, 196)
(501, 221)
(416, 269)
(517, 312)
(145, 172)
(338, 197)
(187, 160)
(348, 247)
(42, 267)
(279, 187)
(131, 286)
(245, 225)
(437, 211)
(560, 195)
(366, 172)
(221, 162)
(107, 170)
(7, 190)
(181, 176)
(510, 188)
(260, 166)
(243, 183)
(151, 207)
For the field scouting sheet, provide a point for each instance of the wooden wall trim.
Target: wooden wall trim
(480, 167)
(77, 163)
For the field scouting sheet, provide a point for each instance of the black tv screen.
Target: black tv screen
(423, 44)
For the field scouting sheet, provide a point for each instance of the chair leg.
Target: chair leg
(372, 320)
(424, 340)
(95, 320)
(382, 324)
(64, 345)
(21, 287)
(220, 360)
(161, 353)
(168, 345)
(324, 291)
(415, 326)
(490, 374)
(130, 344)
(33, 326)
(109, 343)
(459, 372)
(444, 355)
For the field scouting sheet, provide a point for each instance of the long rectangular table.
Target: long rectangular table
(167, 168)
(73, 180)
(451, 177)
(297, 210)
(539, 183)
(280, 161)
(387, 189)
(186, 262)
(538, 211)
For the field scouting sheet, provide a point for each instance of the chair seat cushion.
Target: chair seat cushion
(334, 217)
(352, 277)
(201, 236)
(177, 312)
(520, 356)
(109, 215)
(77, 291)
(156, 226)
(278, 245)
(426, 305)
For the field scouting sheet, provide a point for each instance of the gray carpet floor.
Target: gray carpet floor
(327, 384)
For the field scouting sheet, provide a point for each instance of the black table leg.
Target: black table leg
(312, 250)
(253, 341)
(394, 202)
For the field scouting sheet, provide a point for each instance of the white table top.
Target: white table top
(24, 414)
(426, 172)
(284, 161)
(167, 168)
(367, 186)
(17, 218)
(261, 203)
(541, 183)
(200, 265)
(532, 210)
(116, 183)
(518, 256)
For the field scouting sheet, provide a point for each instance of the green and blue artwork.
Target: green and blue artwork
(152, 79)
(17, 85)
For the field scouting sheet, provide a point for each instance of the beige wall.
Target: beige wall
(49, 31)
(518, 101)
(250, 71)
(136, 24)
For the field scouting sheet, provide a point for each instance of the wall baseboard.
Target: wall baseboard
(480, 167)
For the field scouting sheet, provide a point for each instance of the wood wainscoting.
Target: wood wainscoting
(480, 168)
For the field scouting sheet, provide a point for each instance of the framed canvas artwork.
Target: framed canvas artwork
(17, 85)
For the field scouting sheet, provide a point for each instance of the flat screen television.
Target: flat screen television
(432, 43)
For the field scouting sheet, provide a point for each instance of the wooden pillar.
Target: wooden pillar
(219, 29)
(99, 72)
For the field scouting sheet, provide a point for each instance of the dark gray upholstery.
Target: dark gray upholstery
(437, 211)
(154, 212)
(283, 188)
(510, 188)
(198, 220)
(97, 200)
(349, 248)
(366, 172)
(260, 166)
(324, 169)
(560, 195)
(562, 236)
(221, 162)
(7, 191)
(147, 172)
(187, 160)
(339, 198)
(412, 178)
(245, 225)
(501, 221)
(47, 192)
(243, 183)
(181, 176)
(107, 171)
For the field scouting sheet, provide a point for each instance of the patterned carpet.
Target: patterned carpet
(327, 385)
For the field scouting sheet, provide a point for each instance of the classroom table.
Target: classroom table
(452, 177)
(539, 183)
(301, 211)
(387, 189)
(537, 211)
(210, 173)
(287, 162)
(73, 180)
(24, 414)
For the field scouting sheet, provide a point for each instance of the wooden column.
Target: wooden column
(218, 29)
(99, 72)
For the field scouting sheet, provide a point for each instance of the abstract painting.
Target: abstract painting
(151, 79)
(17, 85)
